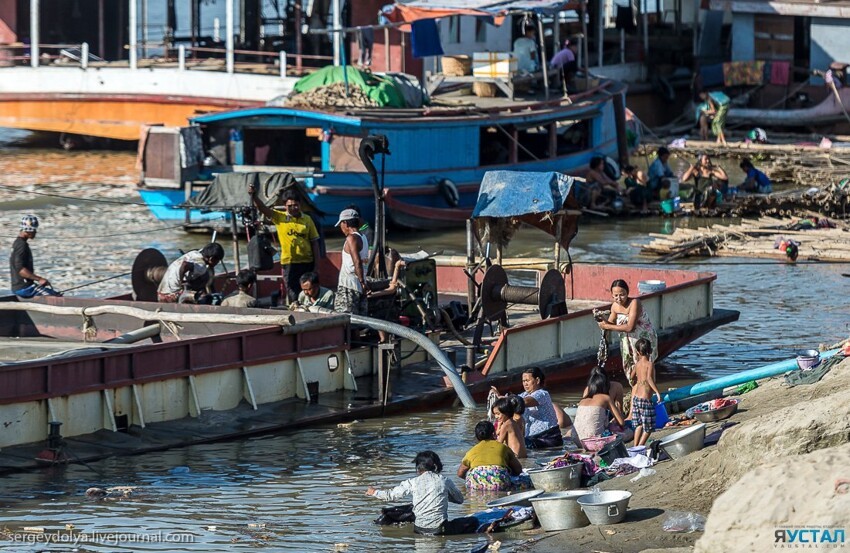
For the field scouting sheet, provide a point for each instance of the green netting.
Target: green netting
(379, 89)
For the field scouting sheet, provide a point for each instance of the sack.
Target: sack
(260, 252)
(546, 439)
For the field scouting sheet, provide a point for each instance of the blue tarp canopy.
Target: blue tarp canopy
(518, 193)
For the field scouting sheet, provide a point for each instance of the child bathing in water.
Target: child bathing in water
(510, 429)
(643, 409)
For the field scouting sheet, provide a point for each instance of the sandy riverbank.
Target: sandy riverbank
(781, 465)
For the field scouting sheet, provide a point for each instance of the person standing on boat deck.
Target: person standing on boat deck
(351, 288)
(193, 269)
(661, 174)
(314, 296)
(25, 283)
(631, 321)
(242, 298)
(541, 418)
(431, 493)
(525, 51)
(298, 236)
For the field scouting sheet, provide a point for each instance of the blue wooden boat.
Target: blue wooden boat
(431, 179)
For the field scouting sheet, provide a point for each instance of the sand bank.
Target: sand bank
(785, 463)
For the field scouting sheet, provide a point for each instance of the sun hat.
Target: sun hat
(29, 223)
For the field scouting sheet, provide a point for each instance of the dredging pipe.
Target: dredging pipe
(759, 373)
(426, 344)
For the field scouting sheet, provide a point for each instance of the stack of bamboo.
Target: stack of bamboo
(831, 201)
(753, 238)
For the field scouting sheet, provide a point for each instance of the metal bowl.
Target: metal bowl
(557, 480)
(684, 442)
(808, 359)
(717, 414)
(520, 499)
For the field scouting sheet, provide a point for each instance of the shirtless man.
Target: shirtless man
(643, 409)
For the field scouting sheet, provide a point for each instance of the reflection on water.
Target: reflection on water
(306, 487)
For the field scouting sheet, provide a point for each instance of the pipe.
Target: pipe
(738, 378)
(228, 39)
(426, 344)
(369, 146)
(137, 335)
(34, 38)
(133, 34)
(337, 23)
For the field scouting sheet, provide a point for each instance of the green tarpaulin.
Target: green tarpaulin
(379, 89)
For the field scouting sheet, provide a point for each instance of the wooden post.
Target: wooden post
(470, 264)
(387, 60)
(34, 37)
(299, 38)
(600, 30)
(584, 52)
(101, 38)
(619, 103)
(235, 238)
(144, 29)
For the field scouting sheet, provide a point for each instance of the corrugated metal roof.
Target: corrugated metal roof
(805, 8)
(489, 5)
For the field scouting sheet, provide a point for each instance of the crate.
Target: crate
(484, 90)
(456, 66)
(493, 64)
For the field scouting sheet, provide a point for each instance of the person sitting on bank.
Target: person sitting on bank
(597, 407)
(637, 187)
(314, 297)
(351, 287)
(609, 188)
(755, 180)
(660, 174)
(431, 492)
(25, 283)
(298, 237)
(709, 180)
(245, 280)
(193, 269)
(490, 464)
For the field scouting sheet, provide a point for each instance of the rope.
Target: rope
(95, 200)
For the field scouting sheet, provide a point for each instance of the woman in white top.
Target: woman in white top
(351, 287)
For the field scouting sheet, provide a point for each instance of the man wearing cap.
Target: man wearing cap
(351, 287)
(25, 283)
(299, 239)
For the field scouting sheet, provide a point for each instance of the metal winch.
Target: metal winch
(496, 294)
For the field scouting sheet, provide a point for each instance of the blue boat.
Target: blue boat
(431, 178)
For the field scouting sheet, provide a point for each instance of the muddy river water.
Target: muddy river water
(303, 490)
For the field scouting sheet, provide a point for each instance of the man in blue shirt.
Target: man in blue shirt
(659, 171)
(756, 181)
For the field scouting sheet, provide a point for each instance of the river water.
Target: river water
(303, 490)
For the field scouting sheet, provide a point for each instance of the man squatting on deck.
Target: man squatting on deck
(193, 269)
(25, 283)
(298, 237)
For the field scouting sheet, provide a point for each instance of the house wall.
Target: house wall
(385, 56)
(830, 42)
(496, 39)
(743, 42)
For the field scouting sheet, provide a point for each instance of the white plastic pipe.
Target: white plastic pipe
(133, 33)
(282, 64)
(34, 38)
(181, 57)
(228, 39)
(84, 55)
(337, 23)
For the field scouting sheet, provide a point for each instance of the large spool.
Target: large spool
(148, 269)
(496, 294)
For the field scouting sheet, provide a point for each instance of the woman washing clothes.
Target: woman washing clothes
(542, 428)
(631, 321)
(490, 464)
(597, 407)
(509, 427)
(709, 179)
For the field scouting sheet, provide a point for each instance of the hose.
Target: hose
(426, 344)
(448, 320)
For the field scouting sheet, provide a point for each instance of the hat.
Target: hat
(347, 215)
(29, 223)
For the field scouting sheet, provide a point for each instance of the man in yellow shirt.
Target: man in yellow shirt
(299, 240)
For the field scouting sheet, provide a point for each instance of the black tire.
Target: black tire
(448, 190)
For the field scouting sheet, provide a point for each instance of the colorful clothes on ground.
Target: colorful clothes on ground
(643, 413)
(643, 329)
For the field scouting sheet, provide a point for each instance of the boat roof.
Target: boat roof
(518, 193)
(458, 109)
(413, 10)
(839, 9)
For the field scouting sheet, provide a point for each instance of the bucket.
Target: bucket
(667, 206)
(614, 450)
(808, 359)
(661, 417)
(637, 450)
(605, 507)
(560, 510)
(650, 286)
